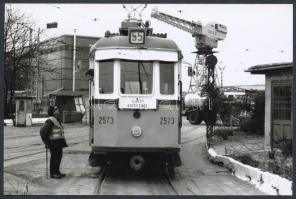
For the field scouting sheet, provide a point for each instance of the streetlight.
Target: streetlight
(74, 59)
(221, 70)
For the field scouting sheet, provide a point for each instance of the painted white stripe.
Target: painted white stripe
(136, 54)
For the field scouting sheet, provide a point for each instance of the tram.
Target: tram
(135, 98)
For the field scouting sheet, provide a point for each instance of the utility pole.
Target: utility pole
(74, 59)
(38, 67)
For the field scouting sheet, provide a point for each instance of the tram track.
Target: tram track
(24, 155)
(113, 182)
(14, 151)
(102, 175)
(169, 181)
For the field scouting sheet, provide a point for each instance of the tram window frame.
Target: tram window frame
(143, 68)
(105, 79)
(164, 74)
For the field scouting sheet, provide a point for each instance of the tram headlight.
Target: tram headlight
(137, 114)
(136, 131)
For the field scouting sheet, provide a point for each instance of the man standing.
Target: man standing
(52, 134)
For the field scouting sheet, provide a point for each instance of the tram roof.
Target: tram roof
(151, 42)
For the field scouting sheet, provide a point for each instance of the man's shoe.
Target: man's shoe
(56, 176)
(62, 175)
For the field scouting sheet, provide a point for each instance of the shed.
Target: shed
(70, 103)
(23, 111)
(278, 103)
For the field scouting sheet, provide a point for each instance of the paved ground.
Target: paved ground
(24, 168)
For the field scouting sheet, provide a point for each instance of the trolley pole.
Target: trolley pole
(74, 59)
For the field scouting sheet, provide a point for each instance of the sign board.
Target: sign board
(137, 103)
(52, 25)
(137, 36)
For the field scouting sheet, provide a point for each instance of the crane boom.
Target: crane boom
(191, 27)
(206, 37)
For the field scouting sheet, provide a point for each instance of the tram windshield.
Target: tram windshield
(166, 72)
(106, 77)
(136, 77)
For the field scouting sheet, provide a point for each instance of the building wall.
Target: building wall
(267, 122)
(57, 55)
(60, 58)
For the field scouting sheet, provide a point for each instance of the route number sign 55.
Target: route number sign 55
(137, 37)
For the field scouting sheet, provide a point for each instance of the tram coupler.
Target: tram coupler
(137, 162)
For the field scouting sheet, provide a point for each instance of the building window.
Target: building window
(106, 77)
(79, 104)
(282, 102)
(167, 78)
(136, 77)
(21, 105)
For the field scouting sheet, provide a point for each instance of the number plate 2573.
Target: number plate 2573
(167, 120)
(106, 120)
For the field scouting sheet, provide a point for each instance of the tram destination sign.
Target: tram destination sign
(136, 36)
(137, 103)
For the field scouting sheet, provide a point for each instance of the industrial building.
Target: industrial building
(278, 102)
(57, 84)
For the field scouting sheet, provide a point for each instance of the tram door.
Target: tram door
(281, 115)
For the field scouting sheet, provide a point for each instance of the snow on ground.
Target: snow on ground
(9, 122)
(265, 181)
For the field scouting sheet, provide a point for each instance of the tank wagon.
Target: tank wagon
(135, 98)
(193, 107)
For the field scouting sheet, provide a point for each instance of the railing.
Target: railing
(244, 148)
(72, 116)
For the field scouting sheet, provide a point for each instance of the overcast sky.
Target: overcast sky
(257, 34)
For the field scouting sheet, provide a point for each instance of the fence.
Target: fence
(244, 148)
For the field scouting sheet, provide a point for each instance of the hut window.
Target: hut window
(79, 104)
(21, 105)
(282, 97)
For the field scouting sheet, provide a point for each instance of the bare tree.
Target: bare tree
(23, 60)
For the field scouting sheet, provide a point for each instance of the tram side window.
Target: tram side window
(167, 78)
(136, 77)
(106, 77)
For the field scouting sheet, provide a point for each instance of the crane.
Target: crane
(203, 71)
(206, 38)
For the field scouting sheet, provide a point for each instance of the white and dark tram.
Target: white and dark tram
(135, 98)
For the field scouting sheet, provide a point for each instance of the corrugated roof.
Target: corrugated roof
(63, 92)
(263, 68)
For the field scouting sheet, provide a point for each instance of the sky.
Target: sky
(257, 34)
